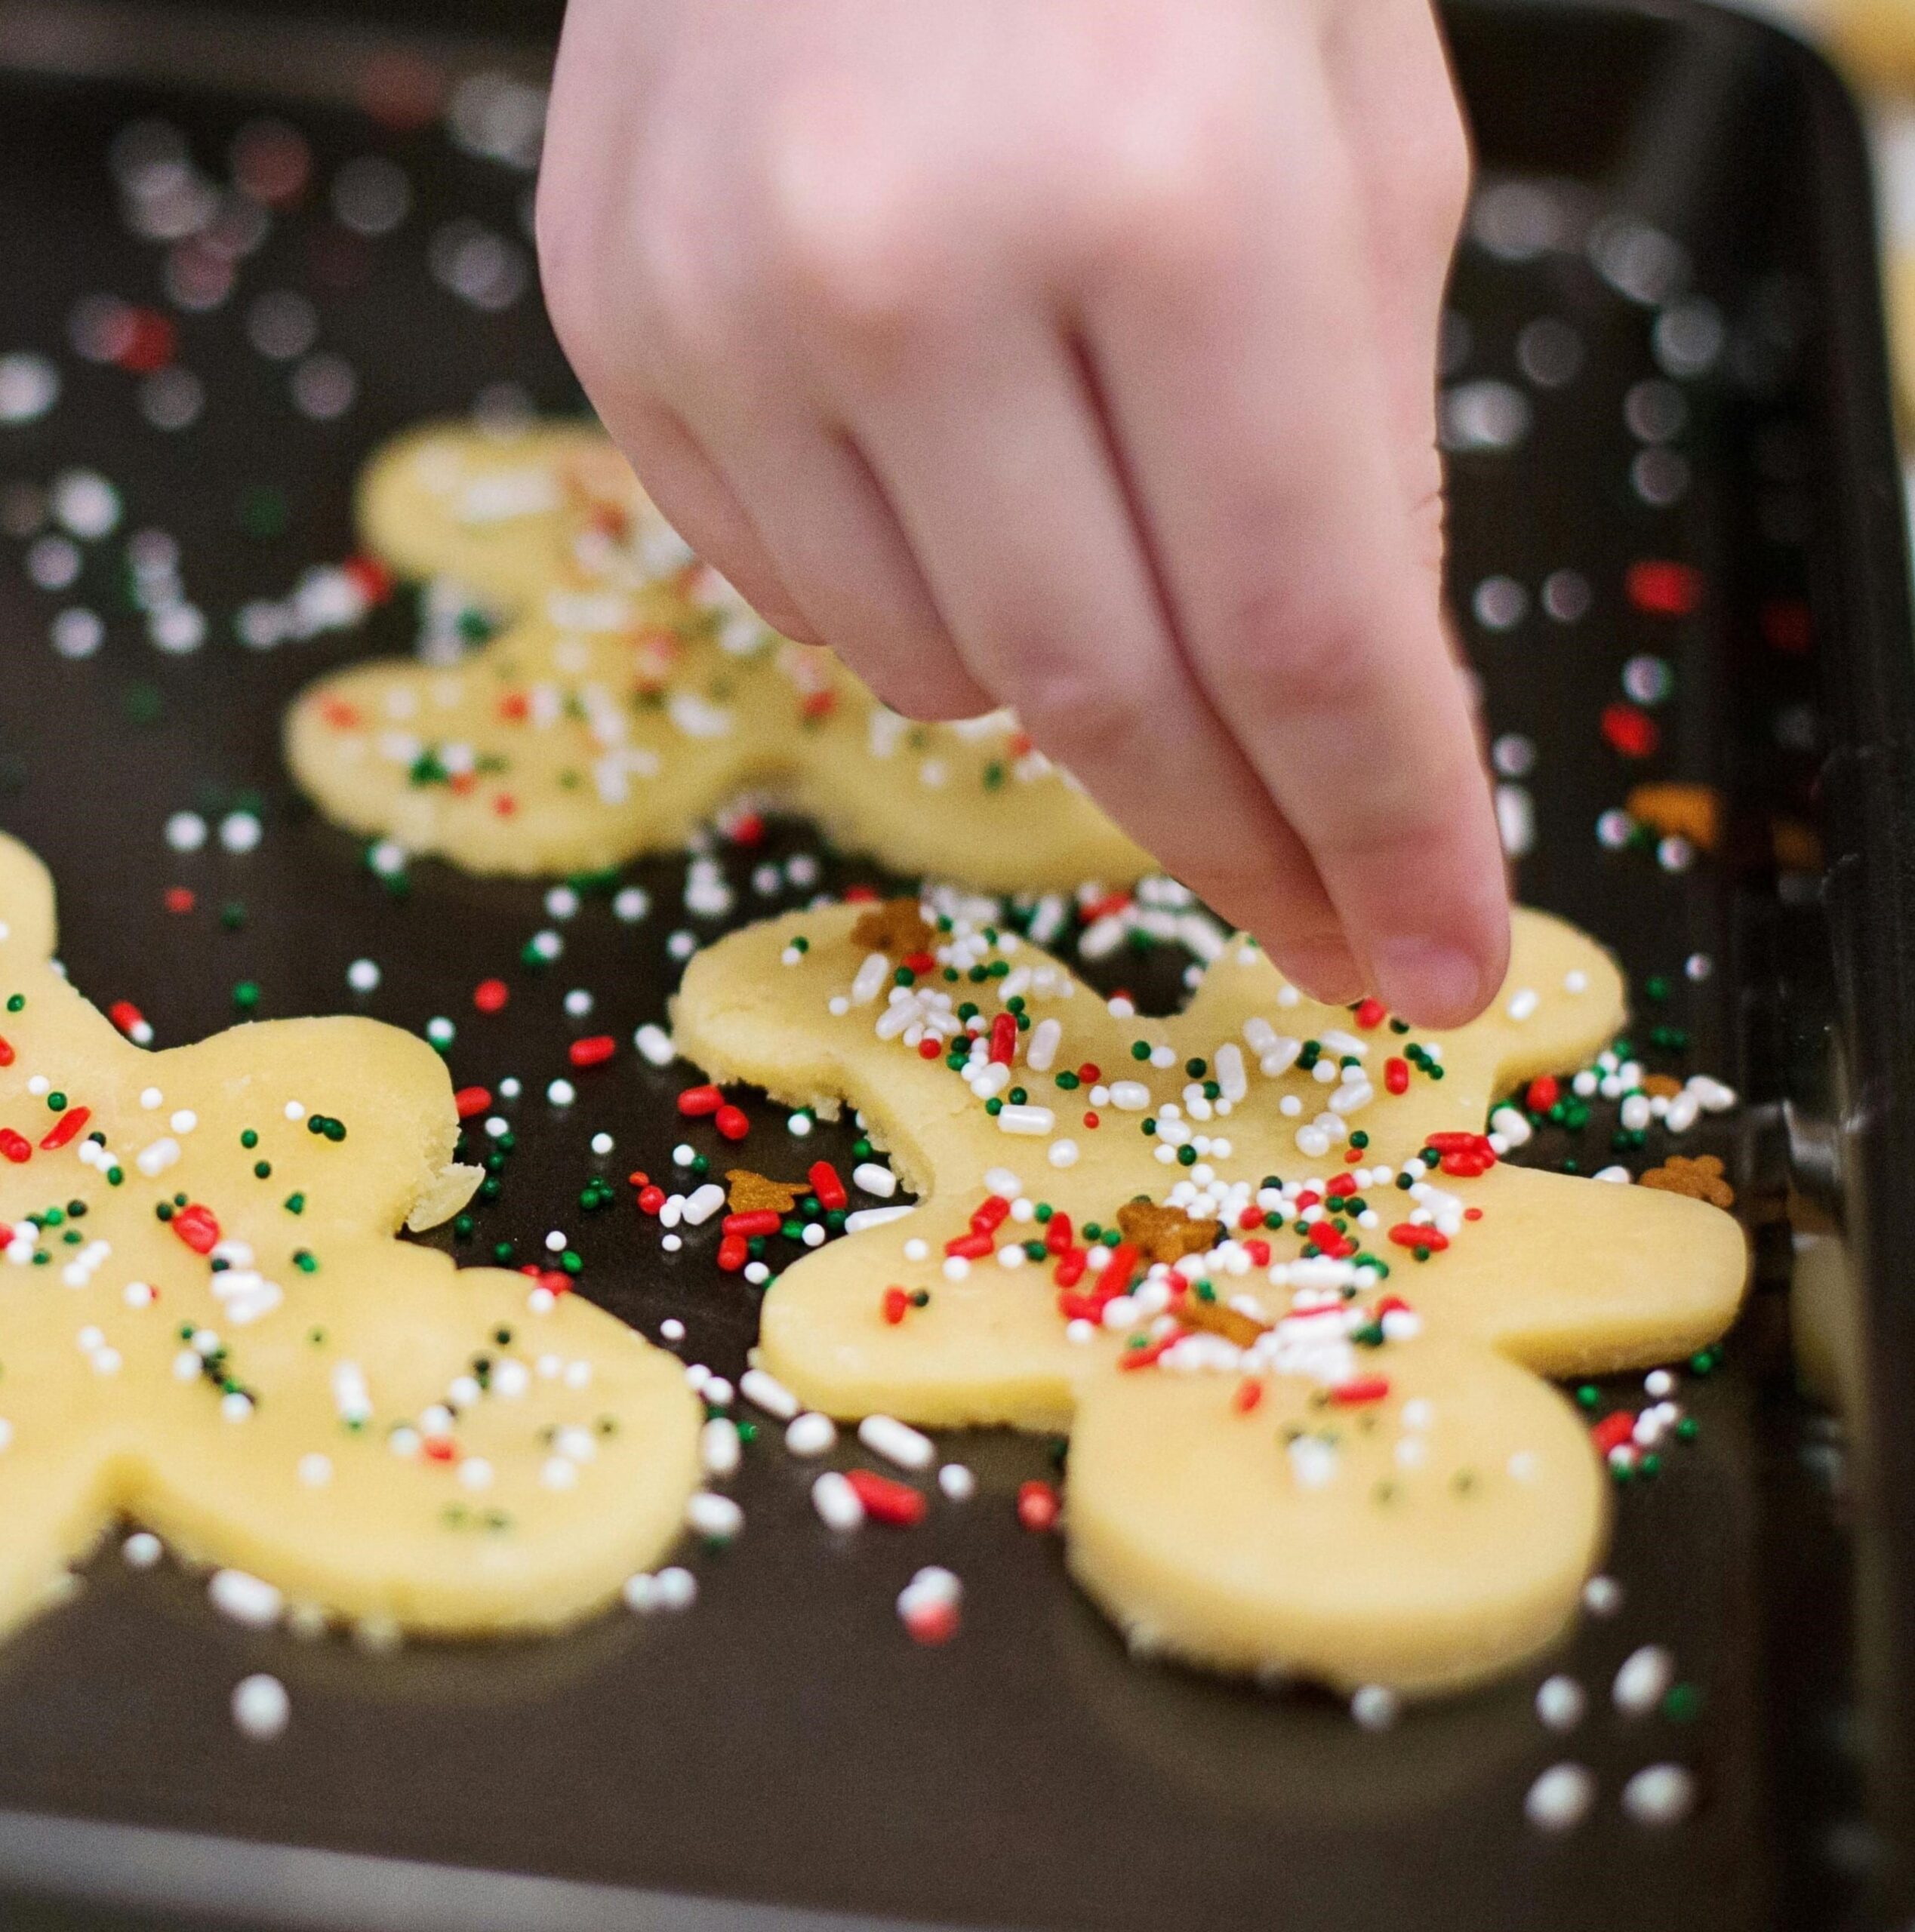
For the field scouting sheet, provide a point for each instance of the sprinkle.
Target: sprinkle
(362, 976)
(836, 1502)
(896, 1442)
(246, 1599)
(716, 1518)
(765, 1391)
(928, 1605)
(141, 1550)
(1375, 1706)
(885, 1501)
(185, 832)
(1560, 1703)
(1646, 1675)
(1659, 1795)
(560, 1092)
(654, 1045)
(810, 1434)
(1560, 1798)
(261, 1709)
(957, 1481)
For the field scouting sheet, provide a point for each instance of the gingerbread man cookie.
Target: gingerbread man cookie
(207, 1325)
(632, 692)
(1262, 1259)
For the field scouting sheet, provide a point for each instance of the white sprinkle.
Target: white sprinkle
(719, 1447)
(602, 1143)
(765, 1391)
(1375, 1706)
(240, 832)
(957, 1481)
(261, 1709)
(1560, 1703)
(836, 1502)
(716, 1518)
(811, 1434)
(1646, 1675)
(862, 1218)
(1523, 1003)
(702, 1203)
(1659, 1795)
(1063, 1153)
(315, 1470)
(562, 1093)
(141, 1550)
(872, 1177)
(246, 1599)
(185, 832)
(362, 976)
(1560, 1797)
(1027, 1120)
(896, 1442)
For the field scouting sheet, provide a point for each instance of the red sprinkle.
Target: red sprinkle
(6, 1053)
(1372, 1013)
(489, 995)
(1630, 731)
(989, 1214)
(1249, 1395)
(732, 1122)
(16, 1146)
(1613, 1431)
(64, 1129)
(1115, 1277)
(895, 1305)
(885, 1501)
(697, 1102)
(651, 1198)
(932, 1624)
(1259, 1252)
(1037, 1506)
(732, 1254)
(196, 1227)
(918, 962)
(1004, 1038)
(470, 1100)
(179, 898)
(373, 579)
(825, 1185)
(1543, 1092)
(758, 1221)
(1664, 589)
(1057, 1235)
(972, 1246)
(594, 1051)
(1365, 1388)
(1071, 1265)
(122, 1013)
(439, 1449)
(1396, 1075)
(928, 1048)
(1412, 1234)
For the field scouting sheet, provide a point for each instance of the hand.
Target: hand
(1079, 355)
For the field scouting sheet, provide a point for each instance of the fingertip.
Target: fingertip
(1325, 969)
(1435, 982)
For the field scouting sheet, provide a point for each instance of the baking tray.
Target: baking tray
(783, 1757)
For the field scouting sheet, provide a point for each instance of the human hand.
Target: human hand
(1077, 355)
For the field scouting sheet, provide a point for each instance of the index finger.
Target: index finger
(1240, 367)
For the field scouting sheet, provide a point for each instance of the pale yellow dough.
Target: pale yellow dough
(632, 692)
(324, 1471)
(1194, 1523)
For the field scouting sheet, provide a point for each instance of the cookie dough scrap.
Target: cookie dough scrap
(207, 1325)
(1262, 1259)
(632, 692)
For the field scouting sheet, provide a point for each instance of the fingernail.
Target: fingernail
(1325, 969)
(1429, 982)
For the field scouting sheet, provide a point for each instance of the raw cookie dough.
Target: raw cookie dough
(1283, 1456)
(632, 692)
(207, 1325)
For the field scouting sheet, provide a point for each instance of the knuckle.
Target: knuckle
(856, 233)
(1079, 711)
(1173, 189)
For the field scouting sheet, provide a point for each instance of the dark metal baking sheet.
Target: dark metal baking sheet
(784, 1748)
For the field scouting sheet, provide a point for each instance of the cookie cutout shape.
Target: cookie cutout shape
(207, 1325)
(1317, 1443)
(632, 692)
